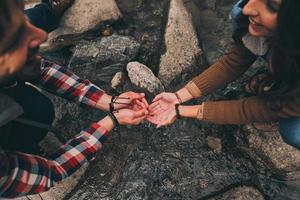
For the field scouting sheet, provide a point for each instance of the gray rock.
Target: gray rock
(82, 16)
(142, 77)
(174, 164)
(182, 46)
(215, 29)
(266, 146)
(130, 5)
(210, 4)
(214, 143)
(117, 80)
(240, 193)
(111, 50)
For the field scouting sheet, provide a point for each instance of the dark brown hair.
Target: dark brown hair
(5, 16)
(6, 10)
(284, 47)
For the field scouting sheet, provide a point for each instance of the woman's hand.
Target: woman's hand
(162, 110)
(167, 97)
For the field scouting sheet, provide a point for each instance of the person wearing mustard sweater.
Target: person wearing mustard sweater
(268, 29)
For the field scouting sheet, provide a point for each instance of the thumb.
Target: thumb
(158, 97)
(137, 95)
(140, 113)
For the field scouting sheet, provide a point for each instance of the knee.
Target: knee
(290, 131)
(37, 106)
(46, 107)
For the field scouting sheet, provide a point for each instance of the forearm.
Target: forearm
(28, 174)
(184, 95)
(194, 112)
(60, 81)
(103, 102)
(224, 71)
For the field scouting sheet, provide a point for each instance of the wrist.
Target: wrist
(189, 111)
(107, 123)
(184, 95)
(104, 102)
(178, 116)
(114, 118)
(178, 98)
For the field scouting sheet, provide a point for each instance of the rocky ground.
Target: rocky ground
(189, 159)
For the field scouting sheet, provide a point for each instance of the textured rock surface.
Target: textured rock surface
(117, 80)
(100, 59)
(169, 163)
(215, 27)
(83, 16)
(240, 193)
(113, 49)
(267, 147)
(141, 76)
(182, 47)
(145, 21)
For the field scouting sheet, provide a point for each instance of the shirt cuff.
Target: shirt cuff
(193, 89)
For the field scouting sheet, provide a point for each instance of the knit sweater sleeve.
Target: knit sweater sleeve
(249, 110)
(227, 69)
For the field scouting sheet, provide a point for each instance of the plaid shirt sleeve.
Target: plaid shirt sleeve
(58, 80)
(23, 174)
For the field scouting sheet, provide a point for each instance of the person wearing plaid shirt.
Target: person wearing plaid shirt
(22, 172)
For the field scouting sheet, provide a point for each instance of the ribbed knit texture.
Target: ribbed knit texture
(247, 110)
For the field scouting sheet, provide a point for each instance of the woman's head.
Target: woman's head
(279, 21)
(19, 39)
(263, 16)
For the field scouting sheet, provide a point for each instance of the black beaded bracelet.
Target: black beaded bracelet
(178, 98)
(177, 111)
(111, 104)
(114, 119)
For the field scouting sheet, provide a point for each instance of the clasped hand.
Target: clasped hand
(132, 108)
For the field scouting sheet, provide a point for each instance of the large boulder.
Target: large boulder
(142, 77)
(82, 16)
(265, 145)
(112, 49)
(100, 59)
(182, 47)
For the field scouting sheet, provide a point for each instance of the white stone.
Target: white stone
(142, 77)
(83, 16)
(117, 80)
(182, 46)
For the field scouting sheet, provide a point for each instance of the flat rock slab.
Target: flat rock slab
(240, 193)
(269, 148)
(168, 163)
(112, 49)
(182, 46)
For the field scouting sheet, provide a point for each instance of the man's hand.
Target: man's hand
(130, 100)
(125, 100)
(162, 110)
(130, 117)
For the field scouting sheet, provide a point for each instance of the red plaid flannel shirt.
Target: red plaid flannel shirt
(22, 174)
